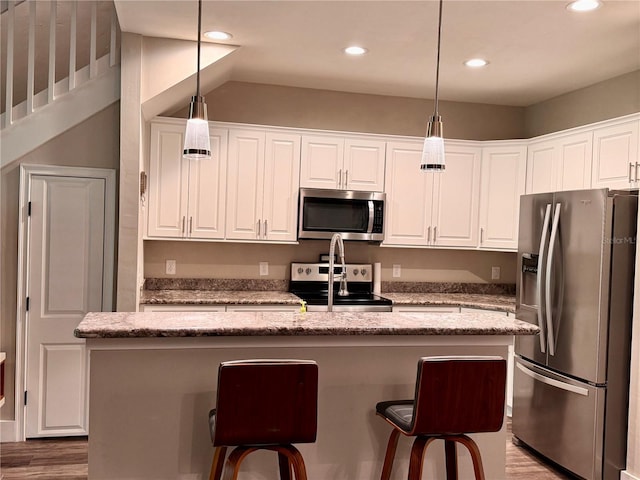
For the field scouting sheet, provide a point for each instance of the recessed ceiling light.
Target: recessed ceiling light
(215, 35)
(355, 50)
(476, 62)
(584, 5)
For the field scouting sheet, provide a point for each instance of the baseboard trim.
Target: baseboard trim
(625, 475)
(8, 431)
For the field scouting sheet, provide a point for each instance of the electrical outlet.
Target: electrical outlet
(170, 267)
(495, 273)
(264, 268)
(397, 270)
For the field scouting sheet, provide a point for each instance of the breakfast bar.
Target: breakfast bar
(153, 380)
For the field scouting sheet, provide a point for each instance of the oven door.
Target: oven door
(355, 215)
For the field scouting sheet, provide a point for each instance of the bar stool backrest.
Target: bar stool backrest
(266, 402)
(459, 394)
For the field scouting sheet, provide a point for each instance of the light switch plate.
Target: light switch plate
(170, 267)
(264, 268)
(495, 273)
(397, 270)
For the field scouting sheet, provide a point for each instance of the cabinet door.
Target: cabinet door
(207, 189)
(541, 167)
(502, 182)
(574, 161)
(245, 184)
(615, 156)
(321, 163)
(281, 183)
(409, 196)
(364, 165)
(168, 183)
(426, 309)
(456, 198)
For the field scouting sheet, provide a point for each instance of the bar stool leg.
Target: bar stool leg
(475, 455)
(416, 460)
(391, 452)
(217, 463)
(451, 459)
(235, 459)
(285, 466)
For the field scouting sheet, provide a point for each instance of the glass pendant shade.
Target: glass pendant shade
(197, 144)
(433, 149)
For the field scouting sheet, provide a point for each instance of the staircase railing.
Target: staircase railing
(93, 49)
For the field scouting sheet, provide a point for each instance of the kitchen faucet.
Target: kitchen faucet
(343, 292)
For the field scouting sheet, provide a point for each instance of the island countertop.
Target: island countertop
(215, 324)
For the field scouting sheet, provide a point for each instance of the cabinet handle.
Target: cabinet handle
(428, 234)
(340, 178)
(182, 228)
(481, 234)
(637, 166)
(265, 229)
(435, 234)
(630, 172)
(346, 178)
(259, 225)
(190, 225)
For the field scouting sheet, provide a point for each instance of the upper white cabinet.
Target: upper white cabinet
(560, 163)
(615, 156)
(263, 182)
(427, 208)
(186, 197)
(345, 163)
(502, 182)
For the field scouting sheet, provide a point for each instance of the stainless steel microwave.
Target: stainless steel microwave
(355, 215)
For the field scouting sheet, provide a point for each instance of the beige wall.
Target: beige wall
(324, 109)
(609, 99)
(93, 143)
(240, 260)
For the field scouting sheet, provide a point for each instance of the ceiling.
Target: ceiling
(536, 49)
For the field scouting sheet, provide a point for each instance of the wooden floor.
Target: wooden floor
(59, 459)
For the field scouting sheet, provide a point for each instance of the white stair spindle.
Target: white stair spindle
(53, 16)
(93, 61)
(31, 56)
(72, 45)
(8, 119)
(114, 33)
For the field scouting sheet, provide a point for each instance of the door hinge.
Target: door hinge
(27, 304)
(29, 209)
(25, 397)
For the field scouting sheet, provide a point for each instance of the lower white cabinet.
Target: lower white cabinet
(219, 308)
(502, 181)
(426, 309)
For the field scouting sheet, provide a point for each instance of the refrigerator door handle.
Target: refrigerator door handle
(554, 383)
(540, 279)
(549, 281)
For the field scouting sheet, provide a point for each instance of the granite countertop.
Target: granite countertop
(500, 303)
(218, 297)
(174, 324)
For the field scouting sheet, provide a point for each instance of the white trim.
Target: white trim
(625, 475)
(26, 174)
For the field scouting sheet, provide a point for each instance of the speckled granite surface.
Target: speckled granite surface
(171, 324)
(500, 303)
(449, 287)
(230, 284)
(217, 297)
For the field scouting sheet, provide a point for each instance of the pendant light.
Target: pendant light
(197, 144)
(433, 149)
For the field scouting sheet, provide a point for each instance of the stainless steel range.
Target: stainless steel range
(309, 281)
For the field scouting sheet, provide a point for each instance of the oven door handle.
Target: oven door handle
(371, 215)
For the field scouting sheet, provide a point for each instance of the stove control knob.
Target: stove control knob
(308, 270)
(355, 272)
(300, 270)
(363, 272)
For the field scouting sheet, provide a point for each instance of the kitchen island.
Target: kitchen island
(153, 381)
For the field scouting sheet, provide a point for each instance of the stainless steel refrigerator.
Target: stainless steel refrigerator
(576, 257)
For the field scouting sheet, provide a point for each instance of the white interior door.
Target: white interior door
(67, 255)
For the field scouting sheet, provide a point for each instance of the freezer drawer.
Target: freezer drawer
(559, 417)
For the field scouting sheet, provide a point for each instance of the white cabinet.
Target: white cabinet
(560, 163)
(219, 308)
(426, 309)
(502, 182)
(427, 208)
(615, 156)
(186, 197)
(346, 163)
(262, 189)
(263, 308)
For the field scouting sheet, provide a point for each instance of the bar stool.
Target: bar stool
(454, 396)
(264, 404)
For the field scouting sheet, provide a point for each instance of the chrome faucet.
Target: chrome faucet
(343, 292)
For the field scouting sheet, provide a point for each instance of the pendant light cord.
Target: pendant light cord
(435, 111)
(199, 27)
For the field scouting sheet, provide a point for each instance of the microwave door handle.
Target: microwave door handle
(540, 280)
(549, 281)
(371, 215)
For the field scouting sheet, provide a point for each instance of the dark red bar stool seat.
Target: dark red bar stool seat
(264, 405)
(454, 396)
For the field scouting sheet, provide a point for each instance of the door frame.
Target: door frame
(27, 172)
